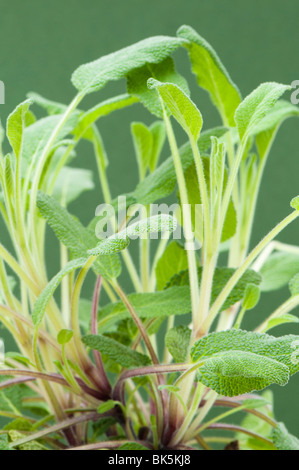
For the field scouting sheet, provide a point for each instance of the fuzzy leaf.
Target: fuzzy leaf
(42, 301)
(278, 270)
(177, 341)
(255, 107)
(164, 72)
(71, 183)
(76, 237)
(95, 75)
(180, 106)
(221, 277)
(284, 349)
(233, 373)
(173, 260)
(294, 285)
(173, 301)
(211, 74)
(117, 352)
(283, 440)
(15, 127)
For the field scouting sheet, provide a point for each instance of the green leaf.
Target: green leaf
(158, 132)
(211, 74)
(278, 270)
(116, 351)
(15, 127)
(162, 182)
(11, 399)
(76, 237)
(143, 144)
(295, 203)
(104, 108)
(177, 341)
(221, 277)
(268, 127)
(132, 446)
(43, 299)
(294, 285)
(95, 75)
(164, 72)
(180, 106)
(52, 107)
(173, 260)
(255, 107)
(237, 361)
(31, 445)
(71, 183)
(173, 301)
(107, 406)
(283, 440)
(281, 320)
(233, 373)
(251, 296)
(64, 336)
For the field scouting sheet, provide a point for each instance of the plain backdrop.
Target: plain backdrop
(43, 42)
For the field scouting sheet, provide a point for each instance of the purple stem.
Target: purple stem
(94, 331)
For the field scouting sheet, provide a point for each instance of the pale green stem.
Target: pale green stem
(204, 410)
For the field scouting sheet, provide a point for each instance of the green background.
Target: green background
(42, 43)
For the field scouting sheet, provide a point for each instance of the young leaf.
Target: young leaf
(173, 301)
(164, 72)
(281, 320)
(15, 127)
(117, 352)
(76, 237)
(64, 336)
(143, 144)
(283, 440)
(42, 301)
(255, 107)
(177, 341)
(95, 75)
(295, 203)
(211, 74)
(180, 106)
(251, 296)
(173, 260)
(71, 183)
(159, 136)
(221, 277)
(278, 270)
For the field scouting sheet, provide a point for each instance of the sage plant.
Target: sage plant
(152, 368)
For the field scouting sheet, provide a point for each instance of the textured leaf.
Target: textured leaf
(284, 349)
(211, 74)
(173, 260)
(42, 301)
(71, 183)
(294, 285)
(221, 277)
(95, 75)
(233, 373)
(255, 107)
(173, 301)
(76, 237)
(177, 341)
(52, 107)
(278, 270)
(15, 127)
(180, 106)
(116, 351)
(164, 72)
(143, 144)
(283, 440)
